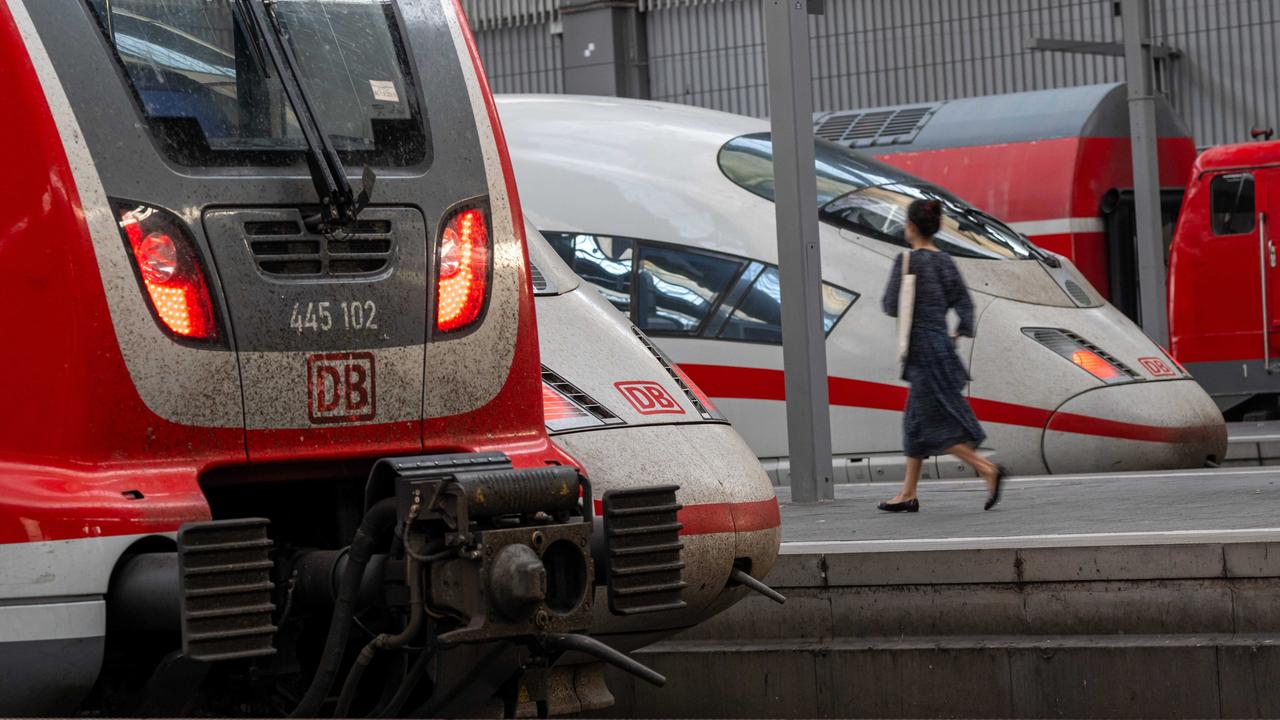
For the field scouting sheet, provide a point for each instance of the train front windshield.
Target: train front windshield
(205, 85)
(871, 198)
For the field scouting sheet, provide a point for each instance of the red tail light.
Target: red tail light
(462, 270)
(170, 271)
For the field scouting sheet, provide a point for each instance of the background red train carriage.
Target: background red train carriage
(1055, 164)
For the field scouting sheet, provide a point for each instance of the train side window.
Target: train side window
(677, 289)
(1231, 204)
(758, 317)
(601, 260)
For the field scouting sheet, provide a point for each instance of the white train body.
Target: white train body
(613, 402)
(635, 196)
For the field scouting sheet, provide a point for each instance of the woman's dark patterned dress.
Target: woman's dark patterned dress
(937, 415)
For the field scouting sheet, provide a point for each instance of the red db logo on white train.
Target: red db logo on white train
(340, 387)
(1156, 366)
(648, 398)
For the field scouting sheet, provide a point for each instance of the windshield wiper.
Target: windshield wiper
(339, 205)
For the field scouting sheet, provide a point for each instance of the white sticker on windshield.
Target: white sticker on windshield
(384, 90)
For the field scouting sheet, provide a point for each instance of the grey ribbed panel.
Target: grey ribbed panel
(486, 14)
(522, 58)
(1227, 79)
(878, 52)
(887, 52)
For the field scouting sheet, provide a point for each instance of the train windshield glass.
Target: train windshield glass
(871, 198)
(211, 95)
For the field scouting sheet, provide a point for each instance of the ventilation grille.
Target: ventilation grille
(1064, 342)
(875, 127)
(540, 284)
(284, 248)
(225, 571)
(583, 400)
(1077, 293)
(643, 550)
(661, 357)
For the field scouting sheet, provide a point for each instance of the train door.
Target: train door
(1267, 200)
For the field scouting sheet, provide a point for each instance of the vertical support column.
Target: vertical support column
(605, 50)
(804, 348)
(1140, 72)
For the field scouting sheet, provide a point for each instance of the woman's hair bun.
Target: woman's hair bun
(926, 215)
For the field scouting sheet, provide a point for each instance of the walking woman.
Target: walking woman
(938, 419)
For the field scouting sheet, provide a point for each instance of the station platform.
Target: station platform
(1128, 595)
(1054, 510)
(1253, 443)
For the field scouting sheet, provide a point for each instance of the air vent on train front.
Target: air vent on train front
(643, 550)
(1077, 293)
(540, 284)
(583, 400)
(1082, 352)
(285, 248)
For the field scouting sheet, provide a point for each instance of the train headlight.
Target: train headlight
(1083, 354)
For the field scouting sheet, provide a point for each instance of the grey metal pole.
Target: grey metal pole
(1149, 242)
(804, 351)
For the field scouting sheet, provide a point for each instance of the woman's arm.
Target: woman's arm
(889, 303)
(958, 298)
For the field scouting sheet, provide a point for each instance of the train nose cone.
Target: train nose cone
(730, 515)
(1136, 426)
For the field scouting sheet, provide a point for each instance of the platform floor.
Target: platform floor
(1240, 504)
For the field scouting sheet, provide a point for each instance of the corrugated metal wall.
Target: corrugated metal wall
(519, 42)
(1228, 78)
(886, 52)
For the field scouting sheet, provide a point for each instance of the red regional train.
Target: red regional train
(1054, 164)
(1224, 285)
(274, 440)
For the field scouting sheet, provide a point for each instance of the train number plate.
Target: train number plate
(649, 398)
(341, 387)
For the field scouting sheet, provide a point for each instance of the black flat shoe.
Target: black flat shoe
(912, 505)
(1001, 473)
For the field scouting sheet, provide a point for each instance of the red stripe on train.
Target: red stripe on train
(740, 383)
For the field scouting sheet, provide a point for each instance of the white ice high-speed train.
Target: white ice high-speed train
(668, 210)
(615, 402)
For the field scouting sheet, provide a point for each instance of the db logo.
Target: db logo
(648, 398)
(340, 387)
(1156, 366)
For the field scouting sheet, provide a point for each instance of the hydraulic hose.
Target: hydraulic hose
(385, 641)
(377, 524)
(397, 701)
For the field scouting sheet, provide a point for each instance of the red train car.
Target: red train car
(1054, 163)
(1224, 299)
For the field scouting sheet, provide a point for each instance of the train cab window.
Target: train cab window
(871, 198)
(601, 260)
(676, 289)
(206, 96)
(758, 316)
(1231, 204)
